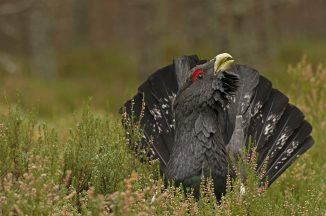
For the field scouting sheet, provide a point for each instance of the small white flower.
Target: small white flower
(242, 189)
(153, 198)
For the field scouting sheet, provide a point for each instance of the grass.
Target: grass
(79, 164)
(103, 74)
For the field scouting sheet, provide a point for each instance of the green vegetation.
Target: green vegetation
(80, 164)
(104, 74)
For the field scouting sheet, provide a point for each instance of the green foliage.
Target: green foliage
(96, 154)
(16, 131)
(42, 173)
(92, 171)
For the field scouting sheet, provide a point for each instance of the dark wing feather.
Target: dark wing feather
(238, 112)
(238, 104)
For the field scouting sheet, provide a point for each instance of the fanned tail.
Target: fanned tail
(278, 129)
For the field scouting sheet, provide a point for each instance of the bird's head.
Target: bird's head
(212, 80)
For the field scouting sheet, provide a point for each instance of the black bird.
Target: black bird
(201, 114)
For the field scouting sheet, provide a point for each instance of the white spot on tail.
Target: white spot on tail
(270, 124)
(156, 113)
(159, 128)
(281, 141)
(257, 107)
(164, 106)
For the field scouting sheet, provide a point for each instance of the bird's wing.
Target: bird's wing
(152, 108)
(238, 110)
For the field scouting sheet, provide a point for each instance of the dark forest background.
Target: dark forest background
(57, 53)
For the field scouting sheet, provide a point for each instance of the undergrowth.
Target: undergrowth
(91, 170)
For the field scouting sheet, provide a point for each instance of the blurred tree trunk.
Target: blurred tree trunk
(216, 27)
(194, 27)
(262, 26)
(81, 20)
(150, 32)
(42, 59)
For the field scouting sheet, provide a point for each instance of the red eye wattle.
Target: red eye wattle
(197, 74)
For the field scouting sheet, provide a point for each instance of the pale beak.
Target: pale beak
(222, 62)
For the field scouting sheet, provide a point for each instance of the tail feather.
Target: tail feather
(264, 122)
(278, 129)
(159, 150)
(261, 96)
(292, 144)
(298, 136)
(277, 170)
(162, 110)
(155, 94)
(285, 127)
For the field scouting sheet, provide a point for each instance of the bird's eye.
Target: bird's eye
(198, 74)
